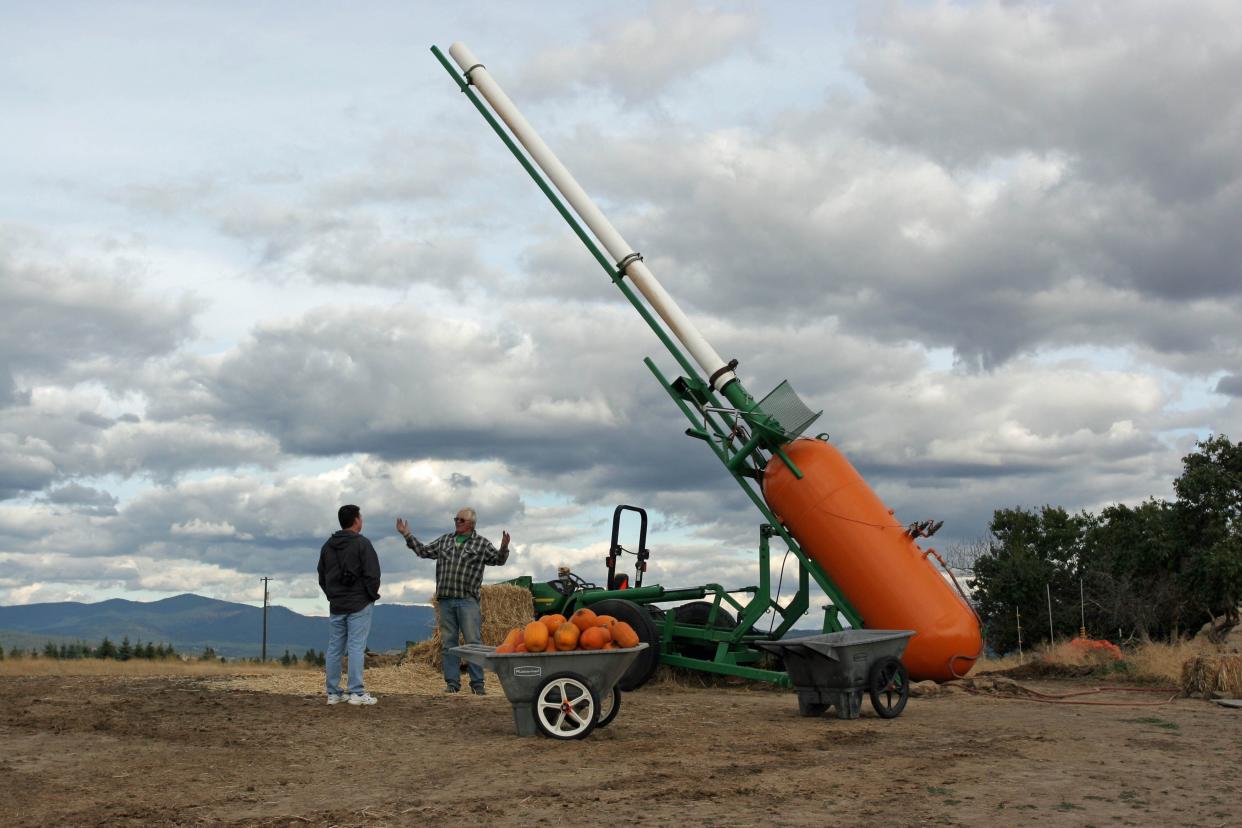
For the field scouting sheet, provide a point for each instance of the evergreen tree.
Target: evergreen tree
(51, 650)
(1, 653)
(309, 658)
(209, 654)
(321, 659)
(126, 651)
(106, 649)
(148, 652)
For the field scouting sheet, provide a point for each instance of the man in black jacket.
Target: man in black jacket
(349, 574)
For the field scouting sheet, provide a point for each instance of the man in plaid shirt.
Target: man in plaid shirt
(460, 557)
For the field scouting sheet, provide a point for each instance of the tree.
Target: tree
(50, 650)
(209, 654)
(1131, 558)
(106, 649)
(1029, 555)
(1, 653)
(126, 651)
(1209, 506)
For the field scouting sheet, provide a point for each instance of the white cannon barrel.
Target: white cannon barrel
(638, 272)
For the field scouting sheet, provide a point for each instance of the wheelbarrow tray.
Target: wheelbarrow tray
(522, 674)
(832, 669)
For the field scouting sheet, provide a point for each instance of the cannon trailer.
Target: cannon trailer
(867, 563)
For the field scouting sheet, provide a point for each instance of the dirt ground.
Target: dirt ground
(107, 750)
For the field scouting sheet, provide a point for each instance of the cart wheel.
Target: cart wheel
(888, 682)
(609, 706)
(634, 615)
(566, 707)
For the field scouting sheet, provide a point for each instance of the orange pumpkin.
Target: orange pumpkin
(584, 619)
(521, 648)
(611, 645)
(624, 635)
(594, 638)
(505, 648)
(553, 621)
(511, 640)
(566, 637)
(535, 636)
(604, 620)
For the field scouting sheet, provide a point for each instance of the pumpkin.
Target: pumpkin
(594, 638)
(624, 635)
(566, 637)
(583, 619)
(553, 621)
(521, 647)
(535, 637)
(604, 620)
(512, 639)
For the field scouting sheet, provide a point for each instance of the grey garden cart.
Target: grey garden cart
(561, 695)
(835, 669)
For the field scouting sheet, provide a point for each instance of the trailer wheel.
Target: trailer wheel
(888, 683)
(636, 616)
(565, 707)
(609, 707)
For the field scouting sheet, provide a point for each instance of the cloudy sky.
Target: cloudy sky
(258, 260)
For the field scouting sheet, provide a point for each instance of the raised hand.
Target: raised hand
(403, 526)
(504, 539)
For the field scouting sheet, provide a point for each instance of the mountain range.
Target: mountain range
(192, 623)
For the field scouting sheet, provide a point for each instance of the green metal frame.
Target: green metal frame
(746, 462)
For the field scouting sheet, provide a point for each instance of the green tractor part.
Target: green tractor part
(713, 631)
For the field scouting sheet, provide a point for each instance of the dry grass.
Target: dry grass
(410, 678)
(1153, 662)
(140, 667)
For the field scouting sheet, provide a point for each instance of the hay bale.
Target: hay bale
(1213, 676)
(503, 606)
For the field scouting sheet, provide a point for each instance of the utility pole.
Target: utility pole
(1082, 609)
(1052, 638)
(263, 657)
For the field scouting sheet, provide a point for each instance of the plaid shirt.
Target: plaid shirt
(459, 569)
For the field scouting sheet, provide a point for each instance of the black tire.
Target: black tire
(565, 707)
(634, 615)
(888, 684)
(609, 707)
(696, 613)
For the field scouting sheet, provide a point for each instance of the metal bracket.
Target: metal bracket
(724, 369)
(470, 80)
(626, 262)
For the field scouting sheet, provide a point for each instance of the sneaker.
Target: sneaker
(479, 691)
(335, 698)
(362, 698)
(448, 688)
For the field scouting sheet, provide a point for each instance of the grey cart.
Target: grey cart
(561, 695)
(835, 669)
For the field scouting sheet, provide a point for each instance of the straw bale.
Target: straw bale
(503, 606)
(1211, 676)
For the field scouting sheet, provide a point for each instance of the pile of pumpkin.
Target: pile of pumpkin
(584, 630)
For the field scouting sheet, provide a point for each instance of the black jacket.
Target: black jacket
(347, 550)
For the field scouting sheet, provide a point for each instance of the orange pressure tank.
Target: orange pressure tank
(842, 524)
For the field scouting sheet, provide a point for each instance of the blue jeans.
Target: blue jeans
(460, 615)
(347, 631)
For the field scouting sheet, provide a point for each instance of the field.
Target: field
(104, 744)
